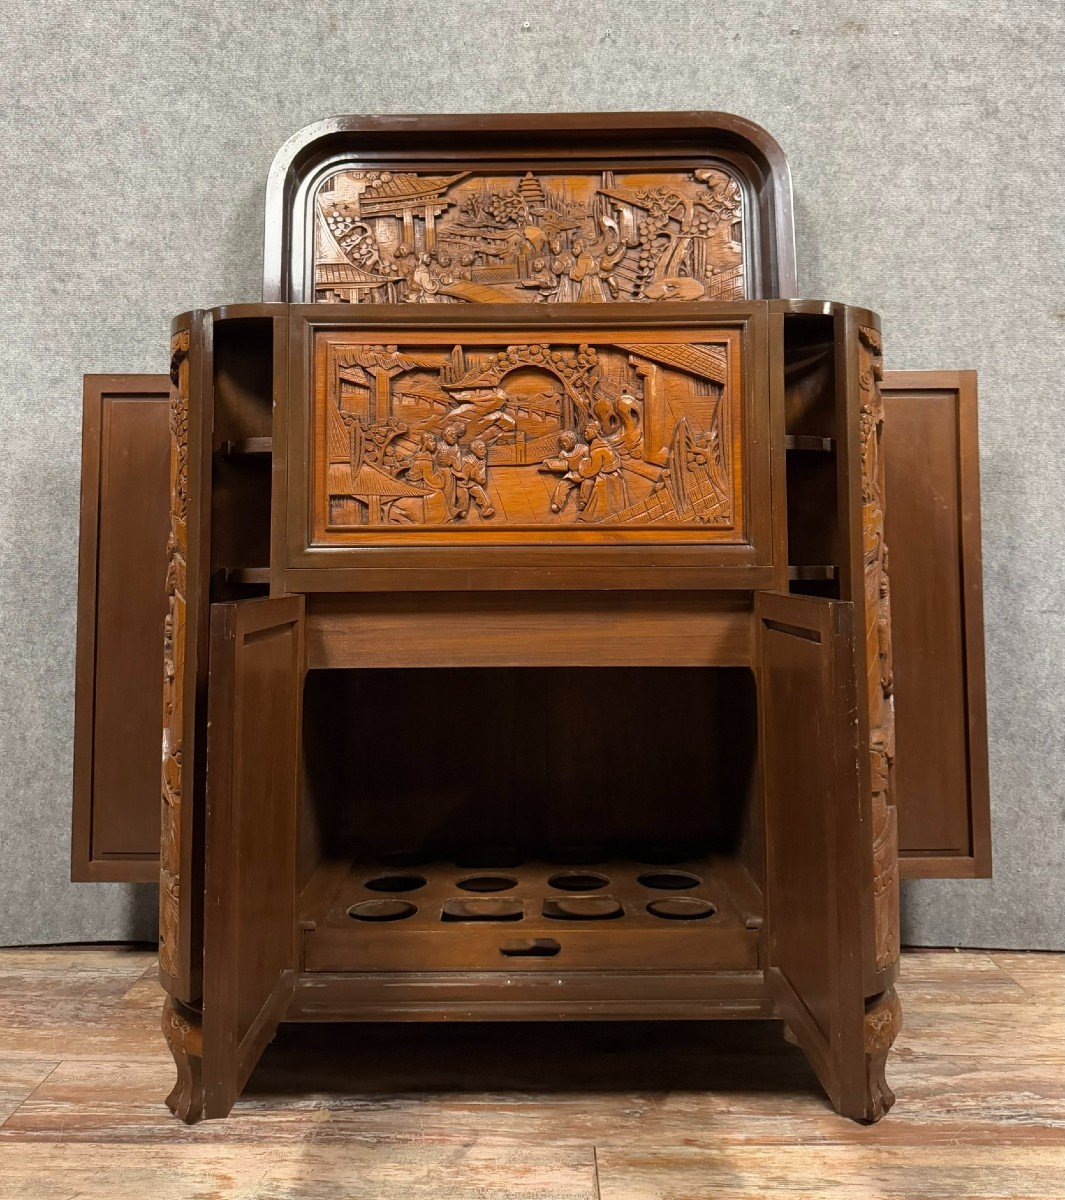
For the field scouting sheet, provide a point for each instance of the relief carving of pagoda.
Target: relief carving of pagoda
(389, 236)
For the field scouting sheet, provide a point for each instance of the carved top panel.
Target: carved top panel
(635, 436)
(384, 236)
(529, 208)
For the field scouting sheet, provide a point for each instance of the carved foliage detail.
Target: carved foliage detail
(390, 236)
(174, 659)
(878, 653)
(526, 435)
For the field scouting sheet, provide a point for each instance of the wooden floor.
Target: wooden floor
(614, 1112)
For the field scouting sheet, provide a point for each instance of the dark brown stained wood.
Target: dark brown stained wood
(817, 819)
(517, 207)
(253, 766)
(438, 925)
(933, 535)
(118, 705)
(617, 629)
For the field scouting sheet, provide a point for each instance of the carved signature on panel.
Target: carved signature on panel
(530, 435)
(394, 236)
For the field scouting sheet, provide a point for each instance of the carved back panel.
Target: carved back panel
(560, 208)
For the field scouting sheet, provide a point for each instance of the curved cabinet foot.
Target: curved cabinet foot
(883, 1018)
(184, 1035)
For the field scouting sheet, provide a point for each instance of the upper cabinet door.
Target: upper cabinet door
(118, 696)
(184, 678)
(256, 688)
(933, 535)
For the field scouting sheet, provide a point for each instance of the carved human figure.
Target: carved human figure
(543, 279)
(471, 482)
(424, 285)
(608, 260)
(422, 468)
(404, 262)
(585, 274)
(562, 265)
(566, 463)
(448, 459)
(604, 490)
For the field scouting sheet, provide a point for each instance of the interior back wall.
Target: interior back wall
(925, 139)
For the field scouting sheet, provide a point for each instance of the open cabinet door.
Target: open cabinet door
(118, 694)
(932, 530)
(253, 752)
(818, 848)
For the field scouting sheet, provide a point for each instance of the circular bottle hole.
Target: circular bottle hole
(487, 883)
(395, 883)
(582, 908)
(681, 908)
(382, 910)
(669, 881)
(578, 881)
(482, 910)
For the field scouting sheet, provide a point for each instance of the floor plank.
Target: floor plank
(488, 1112)
(835, 1173)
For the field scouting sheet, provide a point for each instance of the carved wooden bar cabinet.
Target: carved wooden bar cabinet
(510, 591)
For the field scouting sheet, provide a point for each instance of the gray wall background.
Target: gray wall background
(925, 139)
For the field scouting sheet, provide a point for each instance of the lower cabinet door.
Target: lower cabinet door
(253, 753)
(819, 876)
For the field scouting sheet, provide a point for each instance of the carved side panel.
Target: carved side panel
(620, 439)
(174, 659)
(401, 236)
(878, 653)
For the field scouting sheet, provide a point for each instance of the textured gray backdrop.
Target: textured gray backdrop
(925, 139)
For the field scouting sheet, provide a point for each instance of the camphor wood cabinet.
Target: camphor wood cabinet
(523, 612)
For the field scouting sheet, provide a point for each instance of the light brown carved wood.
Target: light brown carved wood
(386, 236)
(174, 660)
(878, 653)
(639, 435)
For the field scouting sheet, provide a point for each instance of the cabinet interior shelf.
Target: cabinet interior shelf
(246, 575)
(611, 913)
(813, 572)
(806, 441)
(247, 446)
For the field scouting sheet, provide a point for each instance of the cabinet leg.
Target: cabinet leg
(883, 1018)
(184, 1035)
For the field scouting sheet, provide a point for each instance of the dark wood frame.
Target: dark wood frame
(977, 864)
(87, 862)
(305, 567)
(530, 140)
